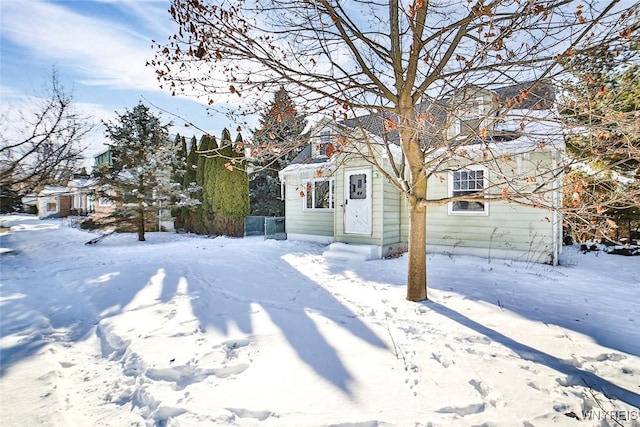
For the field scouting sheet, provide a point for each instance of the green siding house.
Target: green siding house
(336, 191)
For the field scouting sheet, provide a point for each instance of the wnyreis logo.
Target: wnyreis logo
(618, 416)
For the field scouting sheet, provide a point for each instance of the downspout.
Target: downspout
(555, 214)
(382, 196)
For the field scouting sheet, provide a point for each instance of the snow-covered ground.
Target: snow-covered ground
(189, 331)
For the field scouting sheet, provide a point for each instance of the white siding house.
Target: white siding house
(343, 198)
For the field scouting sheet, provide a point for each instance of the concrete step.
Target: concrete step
(351, 251)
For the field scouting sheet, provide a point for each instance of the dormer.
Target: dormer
(105, 157)
(322, 144)
(476, 113)
(470, 113)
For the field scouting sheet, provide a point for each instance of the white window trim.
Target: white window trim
(104, 201)
(48, 203)
(313, 194)
(476, 110)
(325, 137)
(485, 185)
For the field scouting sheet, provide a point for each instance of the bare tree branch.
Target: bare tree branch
(41, 143)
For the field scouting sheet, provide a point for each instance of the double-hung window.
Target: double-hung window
(469, 182)
(322, 143)
(319, 194)
(104, 201)
(468, 119)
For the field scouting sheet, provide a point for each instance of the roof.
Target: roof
(81, 183)
(50, 190)
(540, 96)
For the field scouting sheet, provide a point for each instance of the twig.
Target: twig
(187, 123)
(396, 348)
(590, 388)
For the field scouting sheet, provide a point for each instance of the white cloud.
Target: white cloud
(105, 51)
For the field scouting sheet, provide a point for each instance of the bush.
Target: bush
(89, 224)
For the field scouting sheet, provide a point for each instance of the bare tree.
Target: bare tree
(407, 66)
(41, 142)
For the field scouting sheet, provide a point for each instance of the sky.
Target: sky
(99, 49)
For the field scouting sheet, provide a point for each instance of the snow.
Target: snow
(183, 330)
(50, 190)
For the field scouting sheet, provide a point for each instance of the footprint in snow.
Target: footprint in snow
(613, 357)
(463, 411)
(247, 413)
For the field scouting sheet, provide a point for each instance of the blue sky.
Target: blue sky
(99, 48)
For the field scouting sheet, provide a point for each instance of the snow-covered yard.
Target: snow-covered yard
(188, 331)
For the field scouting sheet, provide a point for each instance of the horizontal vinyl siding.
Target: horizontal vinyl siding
(404, 219)
(391, 214)
(507, 227)
(301, 221)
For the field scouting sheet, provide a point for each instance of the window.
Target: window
(468, 120)
(468, 182)
(358, 186)
(104, 201)
(52, 207)
(319, 194)
(322, 144)
(471, 117)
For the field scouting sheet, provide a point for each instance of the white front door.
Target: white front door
(357, 203)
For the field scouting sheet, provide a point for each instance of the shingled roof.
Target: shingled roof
(540, 96)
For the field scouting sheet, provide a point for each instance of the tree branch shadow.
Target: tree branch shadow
(525, 352)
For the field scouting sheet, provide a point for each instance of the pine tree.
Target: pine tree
(210, 175)
(603, 190)
(177, 176)
(275, 143)
(199, 215)
(140, 176)
(187, 200)
(231, 187)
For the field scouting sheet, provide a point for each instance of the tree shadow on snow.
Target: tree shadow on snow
(57, 290)
(528, 289)
(66, 307)
(227, 297)
(64, 289)
(575, 375)
(533, 292)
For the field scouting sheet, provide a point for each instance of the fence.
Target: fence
(270, 227)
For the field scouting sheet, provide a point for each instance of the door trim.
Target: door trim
(366, 203)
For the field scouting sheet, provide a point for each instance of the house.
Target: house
(159, 220)
(336, 191)
(81, 189)
(76, 199)
(54, 202)
(103, 207)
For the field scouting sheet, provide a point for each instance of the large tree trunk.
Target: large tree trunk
(417, 269)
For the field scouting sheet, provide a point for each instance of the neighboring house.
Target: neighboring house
(60, 202)
(341, 198)
(81, 188)
(104, 207)
(30, 203)
(54, 202)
